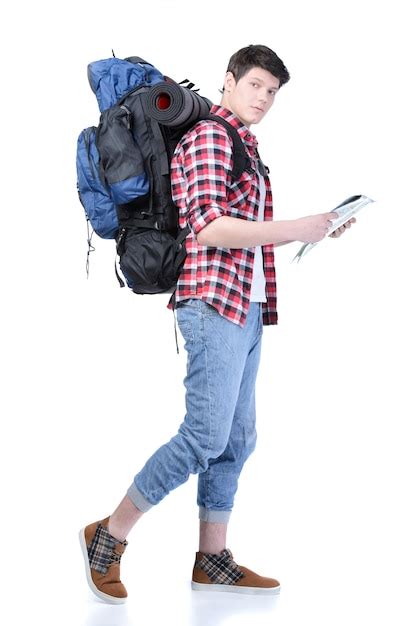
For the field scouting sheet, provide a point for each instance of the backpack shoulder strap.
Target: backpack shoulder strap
(241, 158)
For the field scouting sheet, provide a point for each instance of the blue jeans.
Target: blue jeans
(218, 432)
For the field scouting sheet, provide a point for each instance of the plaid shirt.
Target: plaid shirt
(203, 190)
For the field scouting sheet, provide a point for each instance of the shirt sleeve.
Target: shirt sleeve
(207, 168)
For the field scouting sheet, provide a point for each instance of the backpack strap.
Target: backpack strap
(242, 161)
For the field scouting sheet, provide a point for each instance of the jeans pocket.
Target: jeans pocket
(186, 315)
(191, 302)
(186, 329)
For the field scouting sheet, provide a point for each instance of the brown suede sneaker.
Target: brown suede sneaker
(219, 572)
(102, 554)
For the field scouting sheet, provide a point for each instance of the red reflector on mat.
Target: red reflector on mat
(163, 101)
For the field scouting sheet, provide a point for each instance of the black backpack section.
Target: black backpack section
(150, 244)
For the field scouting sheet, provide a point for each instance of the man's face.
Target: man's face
(252, 96)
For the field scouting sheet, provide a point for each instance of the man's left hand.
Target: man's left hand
(342, 228)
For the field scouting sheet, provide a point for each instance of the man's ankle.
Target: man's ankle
(115, 531)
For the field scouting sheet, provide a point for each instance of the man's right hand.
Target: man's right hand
(313, 228)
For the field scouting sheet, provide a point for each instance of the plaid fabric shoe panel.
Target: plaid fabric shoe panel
(221, 568)
(219, 572)
(101, 551)
(102, 554)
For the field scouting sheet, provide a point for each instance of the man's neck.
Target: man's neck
(224, 103)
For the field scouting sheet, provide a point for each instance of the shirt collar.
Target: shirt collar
(244, 132)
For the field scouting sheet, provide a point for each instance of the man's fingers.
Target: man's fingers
(330, 216)
(339, 231)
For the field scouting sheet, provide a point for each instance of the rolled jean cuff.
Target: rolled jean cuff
(215, 517)
(138, 499)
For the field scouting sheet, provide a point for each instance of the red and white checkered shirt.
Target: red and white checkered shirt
(203, 190)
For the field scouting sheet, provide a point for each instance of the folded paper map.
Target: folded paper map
(344, 212)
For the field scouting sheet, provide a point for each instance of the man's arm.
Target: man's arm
(232, 232)
(334, 235)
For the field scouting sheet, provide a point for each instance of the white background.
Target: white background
(92, 383)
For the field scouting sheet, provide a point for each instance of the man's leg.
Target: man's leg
(215, 568)
(218, 484)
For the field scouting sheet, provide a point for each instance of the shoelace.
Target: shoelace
(114, 558)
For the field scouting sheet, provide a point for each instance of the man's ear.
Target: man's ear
(229, 82)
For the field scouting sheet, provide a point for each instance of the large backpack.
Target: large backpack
(123, 167)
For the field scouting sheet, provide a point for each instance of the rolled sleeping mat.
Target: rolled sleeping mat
(172, 105)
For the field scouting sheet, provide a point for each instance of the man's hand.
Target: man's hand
(313, 228)
(342, 228)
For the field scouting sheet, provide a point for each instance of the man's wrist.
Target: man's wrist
(285, 232)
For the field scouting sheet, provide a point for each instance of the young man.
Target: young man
(226, 292)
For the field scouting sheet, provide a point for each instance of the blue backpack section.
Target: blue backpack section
(94, 195)
(111, 80)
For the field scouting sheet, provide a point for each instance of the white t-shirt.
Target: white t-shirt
(258, 285)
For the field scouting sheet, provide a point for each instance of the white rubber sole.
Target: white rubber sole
(99, 594)
(254, 591)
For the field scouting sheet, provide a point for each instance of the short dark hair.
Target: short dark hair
(257, 56)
